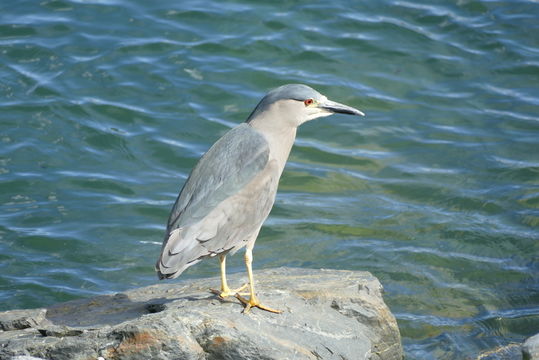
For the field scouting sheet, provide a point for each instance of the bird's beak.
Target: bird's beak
(335, 107)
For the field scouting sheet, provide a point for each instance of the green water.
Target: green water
(106, 106)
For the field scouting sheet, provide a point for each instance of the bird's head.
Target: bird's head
(294, 104)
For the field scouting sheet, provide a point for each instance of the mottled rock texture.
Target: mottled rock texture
(328, 314)
(530, 349)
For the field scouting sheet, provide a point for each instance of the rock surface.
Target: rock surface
(530, 348)
(328, 314)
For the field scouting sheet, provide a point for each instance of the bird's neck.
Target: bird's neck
(280, 140)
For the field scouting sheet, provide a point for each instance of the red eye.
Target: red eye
(308, 102)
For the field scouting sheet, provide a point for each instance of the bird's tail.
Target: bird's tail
(176, 255)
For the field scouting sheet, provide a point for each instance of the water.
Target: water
(106, 106)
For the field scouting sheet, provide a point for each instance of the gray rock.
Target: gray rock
(21, 319)
(530, 348)
(328, 314)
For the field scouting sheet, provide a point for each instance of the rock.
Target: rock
(530, 348)
(21, 319)
(328, 314)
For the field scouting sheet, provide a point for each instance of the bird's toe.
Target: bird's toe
(226, 292)
(254, 302)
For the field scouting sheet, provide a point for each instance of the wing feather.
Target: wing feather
(229, 164)
(226, 168)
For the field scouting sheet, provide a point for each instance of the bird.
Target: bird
(231, 190)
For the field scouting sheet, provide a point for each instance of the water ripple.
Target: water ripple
(107, 105)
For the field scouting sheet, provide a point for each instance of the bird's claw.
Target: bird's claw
(226, 292)
(253, 302)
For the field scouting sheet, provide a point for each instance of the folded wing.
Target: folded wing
(196, 218)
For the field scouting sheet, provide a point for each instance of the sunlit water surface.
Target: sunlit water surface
(107, 105)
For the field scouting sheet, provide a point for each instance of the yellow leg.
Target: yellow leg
(253, 300)
(225, 290)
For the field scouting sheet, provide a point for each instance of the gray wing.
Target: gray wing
(228, 165)
(231, 163)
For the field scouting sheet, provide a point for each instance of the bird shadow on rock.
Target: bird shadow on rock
(102, 310)
(110, 310)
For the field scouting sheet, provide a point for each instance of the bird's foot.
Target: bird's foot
(226, 292)
(254, 302)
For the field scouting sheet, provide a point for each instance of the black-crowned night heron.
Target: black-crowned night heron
(231, 190)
